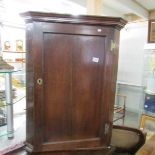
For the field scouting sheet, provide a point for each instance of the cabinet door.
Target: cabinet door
(72, 91)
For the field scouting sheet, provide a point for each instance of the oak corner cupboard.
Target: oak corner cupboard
(71, 72)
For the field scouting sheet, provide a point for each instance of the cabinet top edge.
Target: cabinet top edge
(74, 19)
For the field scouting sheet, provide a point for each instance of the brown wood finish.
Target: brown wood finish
(57, 87)
(90, 152)
(72, 110)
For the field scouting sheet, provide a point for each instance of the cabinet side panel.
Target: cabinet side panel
(29, 86)
(111, 63)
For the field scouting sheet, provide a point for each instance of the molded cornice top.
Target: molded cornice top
(74, 19)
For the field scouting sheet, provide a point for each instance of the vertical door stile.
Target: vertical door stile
(71, 94)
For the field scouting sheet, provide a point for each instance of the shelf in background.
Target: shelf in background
(18, 95)
(19, 103)
(15, 61)
(16, 100)
(19, 121)
(14, 51)
(3, 71)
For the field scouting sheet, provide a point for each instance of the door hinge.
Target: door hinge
(113, 45)
(106, 128)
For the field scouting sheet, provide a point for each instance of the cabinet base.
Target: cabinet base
(105, 151)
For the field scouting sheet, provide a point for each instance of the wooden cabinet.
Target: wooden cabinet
(71, 78)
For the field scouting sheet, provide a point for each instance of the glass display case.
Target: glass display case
(12, 111)
(7, 101)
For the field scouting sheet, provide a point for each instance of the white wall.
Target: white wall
(131, 64)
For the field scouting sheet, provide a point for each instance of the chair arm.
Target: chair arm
(127, 139)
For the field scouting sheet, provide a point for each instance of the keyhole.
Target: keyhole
(39, 81)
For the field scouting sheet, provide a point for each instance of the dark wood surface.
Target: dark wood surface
(71, 86)
(116, 22)
(73, 108)
(99, 152)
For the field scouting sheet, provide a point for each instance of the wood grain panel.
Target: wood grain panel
(100, 151)
(87, 86)
(72, 88)
(57, 87)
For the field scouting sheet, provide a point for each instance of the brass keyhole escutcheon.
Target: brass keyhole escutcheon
(39, 81)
